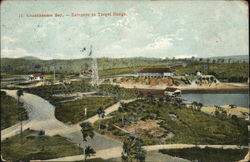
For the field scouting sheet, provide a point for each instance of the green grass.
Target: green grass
(208, 154)
(42, 147)
(5, 76)
(126, 70)
(73, 111)
(192, 127)
(10, 112)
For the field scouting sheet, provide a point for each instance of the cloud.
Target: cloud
(159, 44)
(158, 29)
(186, 56)
(7, 39)
(14, 53)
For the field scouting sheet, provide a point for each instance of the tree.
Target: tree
(132, 150)
(195, 105)
(193, 58)
(140, 95)
(19, 93)
(123, 110)
(101, 114)
(200, 105)
(88, 152)
(161, 100)
(87, 131)
(151, 98)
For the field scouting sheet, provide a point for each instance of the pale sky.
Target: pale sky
(150, 29)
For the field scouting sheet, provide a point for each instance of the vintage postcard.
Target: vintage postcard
(125, 81)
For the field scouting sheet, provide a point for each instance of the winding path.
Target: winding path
(115, 152)
(42, 117)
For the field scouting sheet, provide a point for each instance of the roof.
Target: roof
(170, 89)
(156, 70)
(37, 75)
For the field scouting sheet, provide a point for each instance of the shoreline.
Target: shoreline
(237, 90)
(241, 90)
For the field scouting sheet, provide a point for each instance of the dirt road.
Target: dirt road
(109, 110)
(42, 117)
(116, 151)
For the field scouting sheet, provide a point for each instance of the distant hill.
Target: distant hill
(25, 66)
(30, 64)
(29, 58)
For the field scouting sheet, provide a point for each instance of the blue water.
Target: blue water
(211, 99)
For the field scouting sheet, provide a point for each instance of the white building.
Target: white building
(172, 91)
(155, 72)
(36, 76)
(198, 73)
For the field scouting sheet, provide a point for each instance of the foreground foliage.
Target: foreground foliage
(207, 154)
(132, 150)
(10, 111)
(39, 147)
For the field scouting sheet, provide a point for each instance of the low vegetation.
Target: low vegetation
(207, 154)
(74, 111)
(126, 70)
(47, 91)
(10, 113)
(174, 123)
(38, 147)
(116, 91)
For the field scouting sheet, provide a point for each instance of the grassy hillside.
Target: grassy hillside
(219, 70)
(24, 66)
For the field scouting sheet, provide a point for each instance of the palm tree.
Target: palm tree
(132, 150)
(195, 105)
(123, 109)
(88, 152)
(19, 93)
(101, 114)
(151, 98)
(87, 131)
(200, 105)
(140, 95)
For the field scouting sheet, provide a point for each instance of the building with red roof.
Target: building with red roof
(156, 72)
(36, 76)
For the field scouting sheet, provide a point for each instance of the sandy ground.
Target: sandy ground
(213, 86)
(240, 112)
(108, 110)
